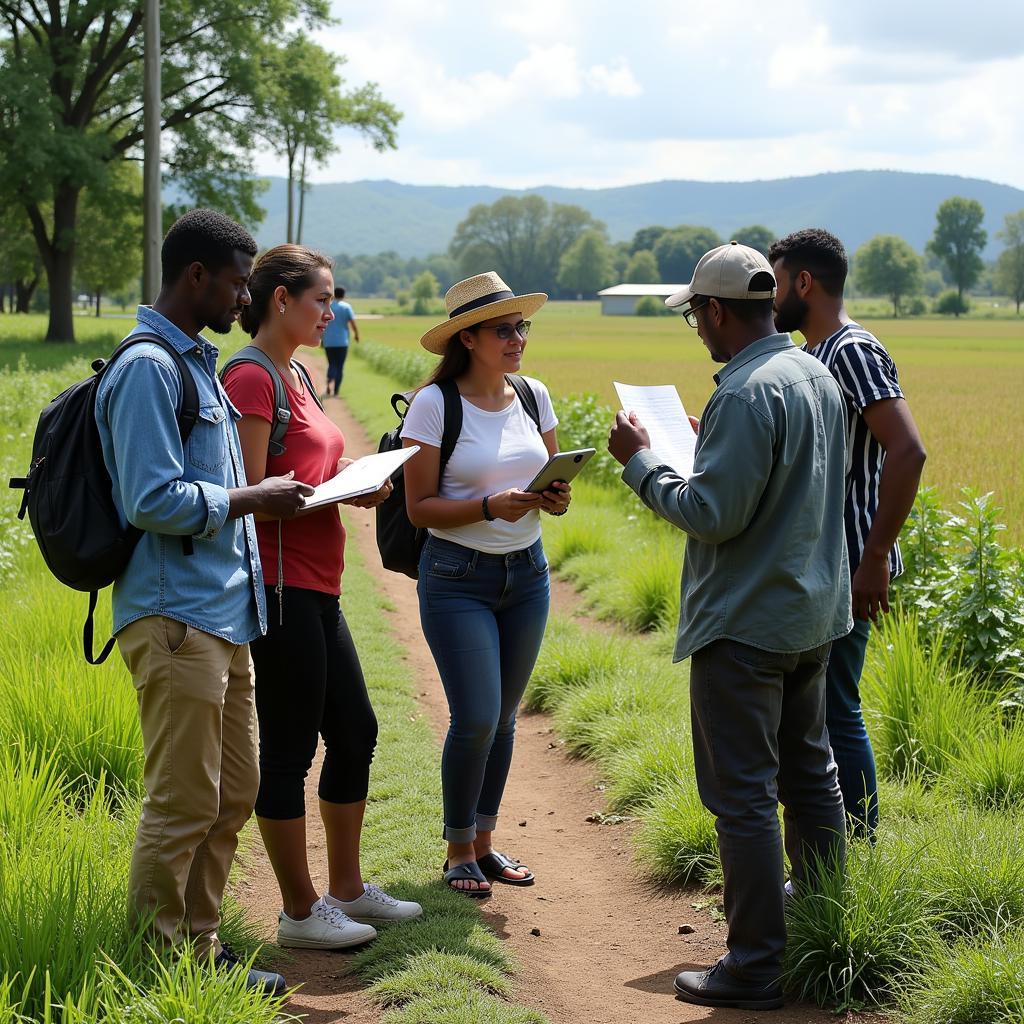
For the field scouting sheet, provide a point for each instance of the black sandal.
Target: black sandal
(493, 865)
(468, 872)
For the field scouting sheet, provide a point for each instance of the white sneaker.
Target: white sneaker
(375, 906)
(327, 927)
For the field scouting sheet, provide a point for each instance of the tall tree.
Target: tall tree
(677, 251)
(70, 88)
(888, 265)
(521, 237)
(586, 266)
(1010, 265)
(20, 265)
(757, 236)
(958, 241)
(646, 238)
(302, 105)
(642, 268)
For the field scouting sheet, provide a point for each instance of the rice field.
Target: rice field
(963, 378)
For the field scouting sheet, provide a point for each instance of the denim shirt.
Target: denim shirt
(766, 561)
(171, 493)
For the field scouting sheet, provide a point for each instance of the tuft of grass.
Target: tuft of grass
(924, 705)
(971, 984)
(971, 869)
(677, 841)
(990, 767)
(461, 1007)
(428, 974)
(638, 774)
(861, 936)
(571, 659)
(617, 711)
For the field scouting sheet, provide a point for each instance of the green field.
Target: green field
(964, 380)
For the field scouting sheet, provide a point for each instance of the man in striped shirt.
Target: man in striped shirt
(885, 457)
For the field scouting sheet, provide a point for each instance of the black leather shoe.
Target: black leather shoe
(717, 987)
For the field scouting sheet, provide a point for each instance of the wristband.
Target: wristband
(487, 512)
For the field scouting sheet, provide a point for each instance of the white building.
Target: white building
(621, 299)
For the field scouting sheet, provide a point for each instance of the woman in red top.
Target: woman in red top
(308, 678)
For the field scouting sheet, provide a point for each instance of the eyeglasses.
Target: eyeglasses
(690, 316)
(505, 332)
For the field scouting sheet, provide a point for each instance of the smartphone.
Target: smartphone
(562, 466)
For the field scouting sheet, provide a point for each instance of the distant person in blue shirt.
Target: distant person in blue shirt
(336, 340)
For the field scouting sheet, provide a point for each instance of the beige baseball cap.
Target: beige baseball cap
(726, 273)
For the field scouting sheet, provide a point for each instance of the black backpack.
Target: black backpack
(398, 541)
(282, 407)
(69, 493)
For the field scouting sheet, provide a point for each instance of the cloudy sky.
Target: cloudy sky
(602, 93)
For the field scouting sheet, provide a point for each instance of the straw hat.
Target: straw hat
(474, 300)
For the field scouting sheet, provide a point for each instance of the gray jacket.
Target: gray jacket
(766, 560)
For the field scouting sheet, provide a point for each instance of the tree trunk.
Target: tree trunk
(959, 299)
(302, 196)
(23, 292)
(98, 302)
(60, 265)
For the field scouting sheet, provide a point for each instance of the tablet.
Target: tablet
(561, 466)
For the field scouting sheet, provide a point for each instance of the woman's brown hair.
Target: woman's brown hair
(288, 266)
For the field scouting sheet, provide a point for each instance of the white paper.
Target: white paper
(364, 476)
(660, 409)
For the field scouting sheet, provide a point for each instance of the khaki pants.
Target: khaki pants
(196, 707)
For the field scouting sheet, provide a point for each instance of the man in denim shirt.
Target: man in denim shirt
(764, 591)
(184, 619)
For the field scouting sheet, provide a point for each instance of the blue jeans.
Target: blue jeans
(483, 617)
(851, 744)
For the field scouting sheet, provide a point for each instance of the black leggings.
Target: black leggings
(308, 681)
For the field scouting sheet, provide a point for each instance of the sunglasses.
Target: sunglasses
(506, 332)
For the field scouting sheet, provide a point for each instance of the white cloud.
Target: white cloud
(584, 93)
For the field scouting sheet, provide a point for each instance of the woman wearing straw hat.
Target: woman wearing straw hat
(483, 577)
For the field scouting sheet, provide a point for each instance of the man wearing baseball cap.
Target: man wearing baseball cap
(764, 592)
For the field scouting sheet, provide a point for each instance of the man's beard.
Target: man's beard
(790, 316)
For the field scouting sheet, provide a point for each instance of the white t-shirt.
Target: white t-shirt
(495, 451)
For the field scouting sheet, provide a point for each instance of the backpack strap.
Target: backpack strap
(308, 381)
(452, 423)
(526, 396)
(282, 407)
(87, 635)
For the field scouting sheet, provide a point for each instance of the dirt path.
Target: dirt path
(608, 945)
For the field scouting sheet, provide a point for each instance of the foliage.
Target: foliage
(523, 238)
(678, 250)
(301, 105)
(887, 265)
(757, 236)
(651, 305)
(963, 585)
(952, 303)
(424, 293)
(584, 422)
(642, 268)
(646, 238)
(1009, 271)
(586, 266)
(959, 239)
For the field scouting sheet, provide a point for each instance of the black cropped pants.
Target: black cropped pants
(309, 683)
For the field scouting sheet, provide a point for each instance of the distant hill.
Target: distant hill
(416, 220)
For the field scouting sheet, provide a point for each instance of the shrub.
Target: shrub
(949, 303)
(990, 770)
(583, 422)
(650, 305)
(639, 774)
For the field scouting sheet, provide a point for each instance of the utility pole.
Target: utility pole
(152, 218)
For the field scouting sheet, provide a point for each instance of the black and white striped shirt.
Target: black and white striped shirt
(866, 374)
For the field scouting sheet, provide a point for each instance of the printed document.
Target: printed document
(660, 410)
(364, 476)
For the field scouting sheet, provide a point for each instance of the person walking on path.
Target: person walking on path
(308, 679)
(764, 591)
(483, 581)
(885, 457)
(335, 339)
(191, 598)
